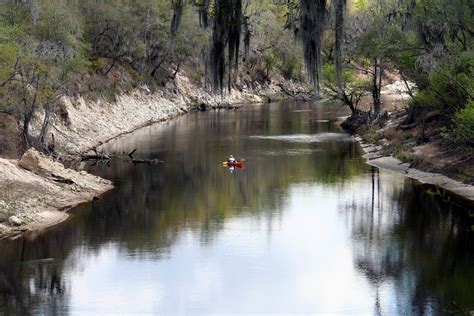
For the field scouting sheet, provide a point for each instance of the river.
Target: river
(305, 227)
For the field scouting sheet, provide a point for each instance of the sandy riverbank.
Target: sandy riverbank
(428, 162)
(376, 157)
(36, 192)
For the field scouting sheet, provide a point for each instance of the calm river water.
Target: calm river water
(306, 227)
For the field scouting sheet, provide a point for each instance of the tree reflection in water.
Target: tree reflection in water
(411, 244)
(32, 286)
(154, 205)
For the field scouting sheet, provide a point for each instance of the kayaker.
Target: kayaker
(231, 159)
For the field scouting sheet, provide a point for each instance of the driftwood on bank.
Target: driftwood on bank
(297, 95)
(102, 155)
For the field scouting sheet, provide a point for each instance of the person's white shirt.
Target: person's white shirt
(231, 159)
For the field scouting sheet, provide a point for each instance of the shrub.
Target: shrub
(449, 87)
(463, 131)
(271, 61)
(291, 67)
(97, 64)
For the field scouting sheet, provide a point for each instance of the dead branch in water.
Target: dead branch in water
(103, 156)
(147, 161)
(143, 161)
(130, 154)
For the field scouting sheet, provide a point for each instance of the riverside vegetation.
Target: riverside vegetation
(50, 49)
(60, 56)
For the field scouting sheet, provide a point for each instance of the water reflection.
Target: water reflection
(401, 234)
(306, 227)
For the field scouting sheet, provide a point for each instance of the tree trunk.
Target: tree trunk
(49, 110)
(31, 108)
(155, 69)
(145, 42)
(339, 29)
(410, 92)
(246, 31)
(203, 15)
(376, 87)
(114, 61)
(178, 6)
(348, 101)
(26, 127)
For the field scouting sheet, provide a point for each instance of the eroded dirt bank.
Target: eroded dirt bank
(35, 192)
(87, 124)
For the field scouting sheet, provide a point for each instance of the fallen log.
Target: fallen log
(286, 90)
(143, 161)
(147, 161)
(39, 261)
(102, 155)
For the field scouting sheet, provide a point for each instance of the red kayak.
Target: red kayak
(237, 164)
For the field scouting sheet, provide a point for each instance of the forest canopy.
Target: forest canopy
(49, 49)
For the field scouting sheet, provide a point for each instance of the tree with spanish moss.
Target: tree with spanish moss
(312, 23)
(226, 32)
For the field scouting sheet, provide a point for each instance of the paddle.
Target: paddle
(226, 163)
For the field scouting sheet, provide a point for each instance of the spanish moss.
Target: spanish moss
(291, 17)
(339, 7)
(312, 20)
(247, 34)
(226, 30)
(235, 29)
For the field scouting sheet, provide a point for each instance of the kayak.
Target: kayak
(239, 163)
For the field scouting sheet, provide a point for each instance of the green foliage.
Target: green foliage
(463, 131)
(8, 56)
(429, 43)
(97, 64)
(329, 71)
(76, 65)
(354, 87)
(55, 25)
(112, 31)
(449, 87)
(291, 67)
(14, 12)
(191, 41)
(267, 22)
(271, 61)
(360, 4)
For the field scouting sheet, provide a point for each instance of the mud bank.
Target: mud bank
(36, 192)
(376, 157)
